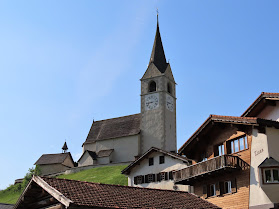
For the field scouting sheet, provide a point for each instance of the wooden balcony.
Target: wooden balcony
(224, 163)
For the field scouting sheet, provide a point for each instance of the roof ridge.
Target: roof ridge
(228, 116)
(117, 117)
(57, 153)
(114, 185)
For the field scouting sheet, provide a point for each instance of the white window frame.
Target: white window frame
(272, 179)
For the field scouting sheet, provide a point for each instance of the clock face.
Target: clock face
(169, 103)
(151, 101)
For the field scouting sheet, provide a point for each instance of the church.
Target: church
(124, 139)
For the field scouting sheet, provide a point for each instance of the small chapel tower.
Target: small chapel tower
(158, 101)
(64, 148)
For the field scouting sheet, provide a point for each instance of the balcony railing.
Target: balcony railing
(220, 163)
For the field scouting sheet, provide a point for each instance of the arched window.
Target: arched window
(169, 88)
(152, 86)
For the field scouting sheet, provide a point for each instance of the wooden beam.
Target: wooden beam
(43, 203)
(52, 191)
(57, 206)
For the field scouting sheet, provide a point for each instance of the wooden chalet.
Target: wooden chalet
(232, 157)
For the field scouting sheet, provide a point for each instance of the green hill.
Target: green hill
(106, 175)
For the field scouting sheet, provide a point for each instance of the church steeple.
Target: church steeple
(65, 147)
(158, 55)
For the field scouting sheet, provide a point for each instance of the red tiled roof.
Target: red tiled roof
(114, 196)
(229, 119)
(262, 96)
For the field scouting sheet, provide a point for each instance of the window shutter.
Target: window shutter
(158, 177)
(234, 187)
(166, 176)
(222, 187)
(142, 180)
(217, 187)
(170, 175)
(153, 177)
(204, 191)
(135, 180)
(146, 178)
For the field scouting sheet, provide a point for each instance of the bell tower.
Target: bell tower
(158, 101)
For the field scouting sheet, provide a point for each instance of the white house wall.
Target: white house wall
(144, 169)
(263, 146)
(272, 190)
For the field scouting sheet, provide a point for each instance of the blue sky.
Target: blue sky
(63, 63)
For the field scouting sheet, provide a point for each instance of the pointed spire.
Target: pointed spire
(65, 147)
(158, 54)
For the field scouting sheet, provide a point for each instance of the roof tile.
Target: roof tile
(115, 196)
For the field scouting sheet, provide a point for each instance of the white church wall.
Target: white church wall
(270, 112)
(104, 160)
(90, 147)
(68, 162)
(125, 149)
(170, 164)
(86, 160)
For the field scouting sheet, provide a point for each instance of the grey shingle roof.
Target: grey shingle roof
(52, 159)
(105, 153)
(158, 54)
(114, 128)
(269, 162)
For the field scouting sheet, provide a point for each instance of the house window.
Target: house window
(151, 161)
(162, 159)
(212, 190)
(239, 144)
(271, 175)
(220, 150)
(219, 188)
(227, 187)
(162, 176)
(149, 178)
(152, 86)
(138, 180)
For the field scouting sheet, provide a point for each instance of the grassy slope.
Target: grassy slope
(9, 197)
(106, 174)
